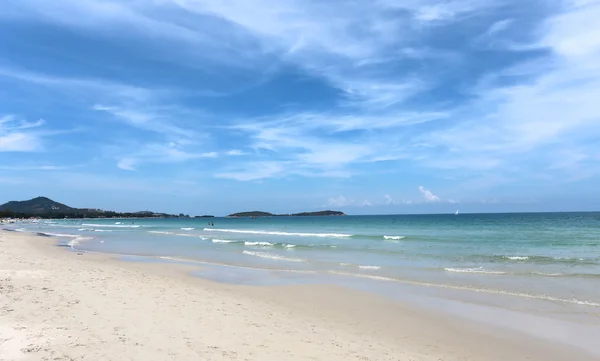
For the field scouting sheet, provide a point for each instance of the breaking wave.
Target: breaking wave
(276, 233)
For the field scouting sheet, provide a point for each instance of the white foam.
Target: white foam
(517, 258)
(473, 270)
(102, 230)
(275, 233)
(162, 232)
(110, 225)
(470, 288)
(117, 222)
(222, 241)
(174, 259)
(60, 235)
(264, 244)
(369, 267)
(289, 245)
(77, 240)
(188, 229)
(394, 237)
(272, 256)
(548, 274)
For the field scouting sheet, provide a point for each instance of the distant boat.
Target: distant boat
(456, 213)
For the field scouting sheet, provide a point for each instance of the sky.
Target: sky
(363, 106)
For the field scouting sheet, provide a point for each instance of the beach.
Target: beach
(58, 304)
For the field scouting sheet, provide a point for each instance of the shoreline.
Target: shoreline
(319, 321)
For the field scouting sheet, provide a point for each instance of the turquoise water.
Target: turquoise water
(546, 256)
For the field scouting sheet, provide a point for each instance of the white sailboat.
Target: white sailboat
(456, 213)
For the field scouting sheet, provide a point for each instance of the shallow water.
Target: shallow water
(545, 256)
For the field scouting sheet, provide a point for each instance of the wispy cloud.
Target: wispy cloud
(16, 135)
(161, 153)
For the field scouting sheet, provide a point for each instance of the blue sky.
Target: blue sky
(366, 106)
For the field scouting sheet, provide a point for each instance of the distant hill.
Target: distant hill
(44, 207)
(36, 206)
(303, 214)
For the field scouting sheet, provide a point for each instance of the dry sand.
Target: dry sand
(58, 305)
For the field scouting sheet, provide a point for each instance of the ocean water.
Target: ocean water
(553, 257)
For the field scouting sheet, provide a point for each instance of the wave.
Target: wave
(273, 256)
(474, 270)
(251, 244)
(117, 222)
(102, 230)
(188, 229)
(530, 259)
(394, 237)
(276, 233)
(61, 235)
(162, 232)
(369, 267)
(222, 241)
(264, 244)
(175, 234)
(110, 225)
(77, 240)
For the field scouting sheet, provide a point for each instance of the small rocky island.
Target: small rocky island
(303, 214)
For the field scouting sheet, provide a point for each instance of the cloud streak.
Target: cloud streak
(16, 135)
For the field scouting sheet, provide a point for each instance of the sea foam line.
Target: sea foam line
(273, 256)
(473, 270)
(276, 233)
(110, 225)
(215, 240)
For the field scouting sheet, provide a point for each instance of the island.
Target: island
(255, 214)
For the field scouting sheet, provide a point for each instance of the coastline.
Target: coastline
(60, 303)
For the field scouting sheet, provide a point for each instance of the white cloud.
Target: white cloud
(126, 164)
(499, 26)
(33, 167)
(514, 125)
(339, 201)
(428, 195)
(254, 171)
(388, 199)
(16, 135)
(235, 152)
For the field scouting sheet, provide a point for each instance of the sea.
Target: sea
(554, 256)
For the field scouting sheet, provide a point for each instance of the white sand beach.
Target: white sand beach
(61, 305)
